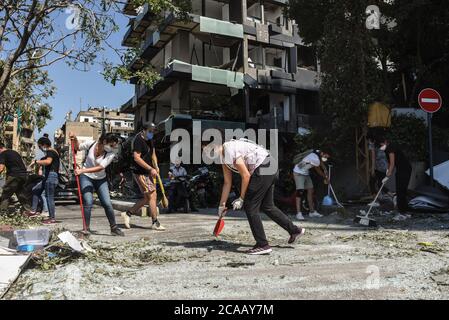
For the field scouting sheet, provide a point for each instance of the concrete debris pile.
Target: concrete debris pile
(18, 220)
(65, 248)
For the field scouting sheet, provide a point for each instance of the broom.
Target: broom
(80, 197)
(365, 220)
(164, 200)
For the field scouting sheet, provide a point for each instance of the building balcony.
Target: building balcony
(129, 9)
(137, 27)
(220, 33)
(176, 70)
(281, 80)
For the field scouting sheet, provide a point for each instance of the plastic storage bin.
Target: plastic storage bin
(35, 237)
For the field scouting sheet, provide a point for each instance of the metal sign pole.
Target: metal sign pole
(429, 125)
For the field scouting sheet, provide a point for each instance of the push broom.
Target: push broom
(80, 197)
(365, 220)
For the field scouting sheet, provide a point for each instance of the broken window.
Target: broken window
(254, 13)
(214, 105)
(255, 57)
(276, 58)
(212, 9)
(274, 14)
(307, 58)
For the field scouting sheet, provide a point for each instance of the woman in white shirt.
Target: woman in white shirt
(99, 155)
(252, 162)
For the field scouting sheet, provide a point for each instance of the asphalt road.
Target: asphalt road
(334, 260)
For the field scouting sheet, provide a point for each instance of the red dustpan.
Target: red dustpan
(219, 226)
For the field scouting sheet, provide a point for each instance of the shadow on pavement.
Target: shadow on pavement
(210, 245)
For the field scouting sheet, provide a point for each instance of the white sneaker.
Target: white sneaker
(126, 220)
(315, 215)
(300, 217)
(157, 226)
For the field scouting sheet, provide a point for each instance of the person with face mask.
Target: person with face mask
(145, 170)
(99, 155)
(303, 181)
(50, 165)
(253, 163)
(397, 160)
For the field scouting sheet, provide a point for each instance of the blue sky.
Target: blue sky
(89, 86)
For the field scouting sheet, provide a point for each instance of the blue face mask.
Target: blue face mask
(150, 135)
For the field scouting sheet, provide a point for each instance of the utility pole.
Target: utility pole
(103, 129)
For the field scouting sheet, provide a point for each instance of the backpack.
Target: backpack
(299, 157)
(125, 160)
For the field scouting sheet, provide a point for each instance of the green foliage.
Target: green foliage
(361, 66)
(410, 133)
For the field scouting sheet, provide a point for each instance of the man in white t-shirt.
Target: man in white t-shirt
(303, 181)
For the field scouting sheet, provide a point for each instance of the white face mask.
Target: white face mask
(383, 148)
(108, 148)
(324, 159)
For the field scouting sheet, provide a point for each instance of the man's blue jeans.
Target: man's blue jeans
(88, 187)
(48, 185)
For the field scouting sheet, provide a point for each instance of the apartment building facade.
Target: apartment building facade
(114, 120)
(240, 63)
(19, 136)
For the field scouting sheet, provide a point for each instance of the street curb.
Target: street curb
(121, 205)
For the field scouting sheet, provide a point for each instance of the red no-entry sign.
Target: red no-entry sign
(430, 100)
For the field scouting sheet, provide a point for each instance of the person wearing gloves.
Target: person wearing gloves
(303, 181)
(397, 159)
(249, 160)
(99, 155)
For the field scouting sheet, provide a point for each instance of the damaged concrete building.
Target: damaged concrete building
(234, 64)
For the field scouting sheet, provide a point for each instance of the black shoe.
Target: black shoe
(257, 250)
(115, 231)
(296, 235)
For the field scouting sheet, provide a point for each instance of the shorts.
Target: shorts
(145, 183)
(302, 182)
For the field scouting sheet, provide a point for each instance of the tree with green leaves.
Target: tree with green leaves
(361, 65)
(35, 34)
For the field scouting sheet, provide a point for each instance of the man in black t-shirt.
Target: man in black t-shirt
(145, 171)
(16, 176)
(397, 159)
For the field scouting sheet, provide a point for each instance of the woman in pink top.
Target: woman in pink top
(249, 160)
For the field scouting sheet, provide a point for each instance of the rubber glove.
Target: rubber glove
(222, 211)
(237, 204)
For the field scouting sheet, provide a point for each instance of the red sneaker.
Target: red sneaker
(49, 221)
(31, 214)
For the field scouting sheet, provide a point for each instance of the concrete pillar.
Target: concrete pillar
(293, 123)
